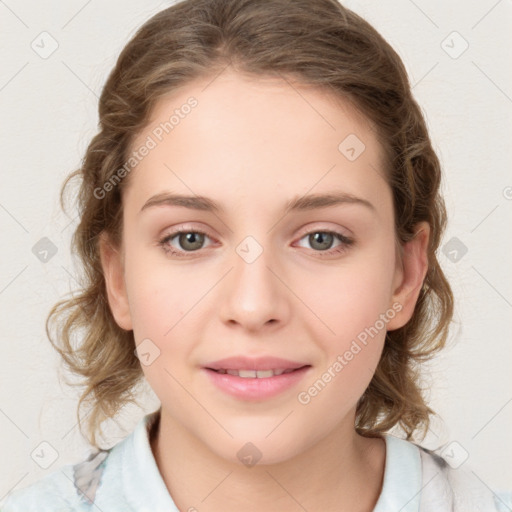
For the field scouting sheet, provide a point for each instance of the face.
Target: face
(250, 276)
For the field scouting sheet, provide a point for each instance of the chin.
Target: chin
(255, 446)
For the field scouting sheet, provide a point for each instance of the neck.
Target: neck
(342, 472)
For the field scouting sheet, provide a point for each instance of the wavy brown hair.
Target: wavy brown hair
(315, 42)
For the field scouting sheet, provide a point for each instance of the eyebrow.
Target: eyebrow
(299, 203)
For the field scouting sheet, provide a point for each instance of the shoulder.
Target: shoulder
(70, 488)
(121, 479)
(453, 486)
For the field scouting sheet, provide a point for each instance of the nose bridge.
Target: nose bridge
(255, 294)
(252, 262)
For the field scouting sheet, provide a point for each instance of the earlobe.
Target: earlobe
(411, 275)
(112, 265)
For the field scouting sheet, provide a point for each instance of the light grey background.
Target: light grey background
(48, 115)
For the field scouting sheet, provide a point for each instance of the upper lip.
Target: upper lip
(254, 363)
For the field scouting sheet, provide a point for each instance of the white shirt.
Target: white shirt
(126, 478)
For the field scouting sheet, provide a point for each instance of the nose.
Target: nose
(254, 294)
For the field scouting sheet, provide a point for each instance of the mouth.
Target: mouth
(256, 374)
(256, 379)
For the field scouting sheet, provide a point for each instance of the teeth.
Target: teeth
(253, 374)
(247, 373)
(262, 374)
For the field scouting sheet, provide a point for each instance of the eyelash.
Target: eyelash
(346, 242)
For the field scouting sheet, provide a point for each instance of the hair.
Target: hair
(318, 43)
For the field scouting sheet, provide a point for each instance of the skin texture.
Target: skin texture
(252, 145)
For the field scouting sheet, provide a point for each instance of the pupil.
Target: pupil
(192, 238)
(319, 237)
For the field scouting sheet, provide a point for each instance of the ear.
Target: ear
(113, 272)
(410, 273)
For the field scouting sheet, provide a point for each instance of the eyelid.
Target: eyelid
(304, 231)
(325, 229)
(173, 232)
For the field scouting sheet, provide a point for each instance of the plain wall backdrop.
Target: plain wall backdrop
(55, 59)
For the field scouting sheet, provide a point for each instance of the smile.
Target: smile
(255, 374)
(255, 385)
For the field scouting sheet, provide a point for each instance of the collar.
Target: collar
(143, 485)
(145, 489)
(401, 489)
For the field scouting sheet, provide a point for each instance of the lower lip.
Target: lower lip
(254, 388)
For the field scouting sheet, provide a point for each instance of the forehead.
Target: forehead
(261, 137)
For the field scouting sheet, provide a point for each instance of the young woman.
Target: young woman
(260, 215)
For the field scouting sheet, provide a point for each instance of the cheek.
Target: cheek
(159, 299)
(352, 298)
(157, 292)
(353, 306)
(357, 314)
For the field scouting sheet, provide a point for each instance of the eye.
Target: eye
(322, 241)
(189, 240)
